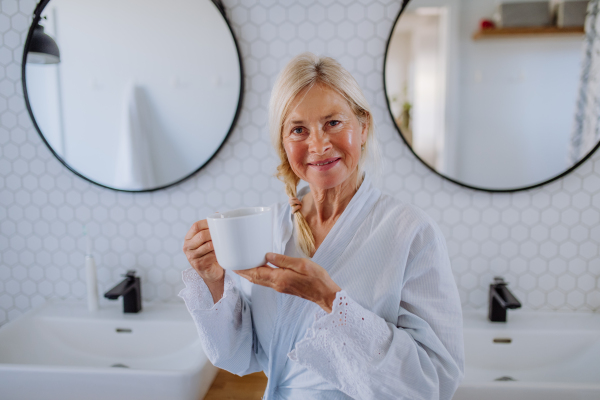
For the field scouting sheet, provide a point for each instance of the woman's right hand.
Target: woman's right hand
(199, 250)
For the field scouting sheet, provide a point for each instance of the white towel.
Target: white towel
(134, 167)
(586, 131)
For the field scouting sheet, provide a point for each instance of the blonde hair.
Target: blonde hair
(303, 71)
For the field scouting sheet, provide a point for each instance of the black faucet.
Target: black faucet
(131, 290)
(500, 299)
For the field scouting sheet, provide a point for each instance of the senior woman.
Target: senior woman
(363, 303)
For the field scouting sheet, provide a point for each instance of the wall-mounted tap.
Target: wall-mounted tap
(131, 290)
(500, 299)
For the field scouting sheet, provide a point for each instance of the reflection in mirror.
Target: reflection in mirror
(145, 92)
(487, 100)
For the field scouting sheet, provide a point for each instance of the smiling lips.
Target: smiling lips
(325, 165)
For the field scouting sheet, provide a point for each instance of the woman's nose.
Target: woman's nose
(319, 143)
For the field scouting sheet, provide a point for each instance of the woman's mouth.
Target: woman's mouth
(325, 165)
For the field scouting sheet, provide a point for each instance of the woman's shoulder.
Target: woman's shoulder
(406, 216)
(396, 208)
(280, 208)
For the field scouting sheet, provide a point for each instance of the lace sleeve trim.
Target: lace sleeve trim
(343, 345)
(197, 295)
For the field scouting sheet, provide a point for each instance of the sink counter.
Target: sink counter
(71, 353)
(534, 355)
(527, 320)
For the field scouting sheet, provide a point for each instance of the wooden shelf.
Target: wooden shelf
(533, 31)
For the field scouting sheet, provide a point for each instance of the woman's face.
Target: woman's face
(322, 137)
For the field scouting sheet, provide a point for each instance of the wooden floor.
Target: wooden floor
(232, 387)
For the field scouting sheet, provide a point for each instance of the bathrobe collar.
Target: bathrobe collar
(344, 228)
(289, 325)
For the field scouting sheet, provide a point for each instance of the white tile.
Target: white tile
(470, 248)
(575, 300)
(296, 13)
(489, 248)
(509, 249)
(490, 216)
(460, 233)
(478, 298)
(593, 300)
(471, 216)
(346, 30)
(586, 283)
(451, 216)
(538, 266)
(6, 301)
(258, 15)
(557, 266)
(588, 249)
(591, 184)
(500, 233)
(556, 299)
(356, 13)
(519, 233)
(5, 56)
(559, 233)
(518, 266)
(316, 14)
(28, 287)
(550, 217)
(469, 281)
(547, 282)
(581, 200)
(307, 31)
(375, 12)
(10, 7)
(336, 13)
(62, 289)
(561, 200)
(5, 23)
(510, 217)
(577, 266)
(566, 283)
(527, 282)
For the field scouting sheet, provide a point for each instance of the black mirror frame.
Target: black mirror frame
(37, 15)
(483, 189)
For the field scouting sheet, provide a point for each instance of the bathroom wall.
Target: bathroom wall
(543, 241)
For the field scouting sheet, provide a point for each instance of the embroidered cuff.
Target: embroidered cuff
(340, 345)
(197, 295)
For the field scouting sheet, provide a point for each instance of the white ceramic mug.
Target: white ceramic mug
(242, 237)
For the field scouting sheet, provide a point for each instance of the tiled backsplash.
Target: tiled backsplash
(543, 241)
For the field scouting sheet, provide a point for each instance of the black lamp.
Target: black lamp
(43, 49)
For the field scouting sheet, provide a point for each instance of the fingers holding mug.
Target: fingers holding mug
(196, 227)
(197, 241)
(199, 250)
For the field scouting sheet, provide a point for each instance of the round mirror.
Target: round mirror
(495, 96)
(132, 95)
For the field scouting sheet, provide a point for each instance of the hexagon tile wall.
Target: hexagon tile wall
(543, 241)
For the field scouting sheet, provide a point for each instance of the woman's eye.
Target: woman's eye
(297, 131)
(334, 123)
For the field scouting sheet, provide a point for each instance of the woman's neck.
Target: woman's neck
(322, 207)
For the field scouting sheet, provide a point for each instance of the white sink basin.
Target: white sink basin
(535, 355)
(62, 351)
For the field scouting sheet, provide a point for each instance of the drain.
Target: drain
(118, 365)
(505, 379)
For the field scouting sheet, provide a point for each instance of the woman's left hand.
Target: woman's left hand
(296, 276)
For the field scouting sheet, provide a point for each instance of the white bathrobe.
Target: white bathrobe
(395, 331)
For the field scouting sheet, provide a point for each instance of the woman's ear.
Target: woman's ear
(366, 124)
